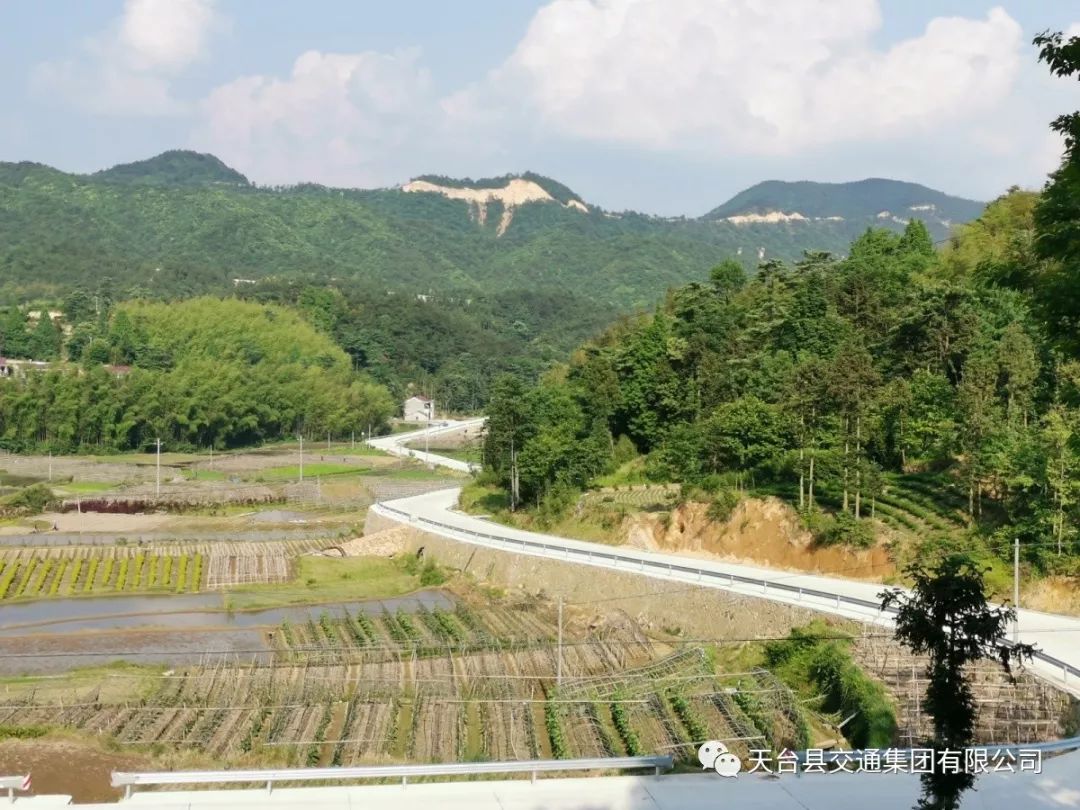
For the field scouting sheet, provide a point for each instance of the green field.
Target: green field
(325, 579)
(313, 470)
(87, 487)
(460, 453)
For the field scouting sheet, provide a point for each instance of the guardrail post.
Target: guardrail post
(127, 792)
(404, 781)
(800, 594)
(838, 601)
(533, 777)
(269, 786)
(765, 586)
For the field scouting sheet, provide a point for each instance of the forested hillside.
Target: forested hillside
(197, 373)
(448, 348)
(837, 384)
(865, 201)
(183, 224)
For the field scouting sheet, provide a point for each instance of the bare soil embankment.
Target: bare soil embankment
(762, 531)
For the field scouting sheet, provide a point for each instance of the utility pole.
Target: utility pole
(427, 433)
(328, 441)
(157, 472)
(50, 466)
(1016, 588)
(301, 437)
(558, 672)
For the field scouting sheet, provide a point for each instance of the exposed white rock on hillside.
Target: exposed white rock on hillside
(775, 218)
(771, 217)
(516, 192)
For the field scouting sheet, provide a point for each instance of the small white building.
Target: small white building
(419, 409)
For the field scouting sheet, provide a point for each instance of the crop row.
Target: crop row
(37, 577)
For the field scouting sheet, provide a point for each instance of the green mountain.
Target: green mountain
(177, 167)
(865, 201)
(183, 224)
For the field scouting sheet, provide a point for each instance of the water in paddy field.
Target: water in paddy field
(52, 636)
(187, 611)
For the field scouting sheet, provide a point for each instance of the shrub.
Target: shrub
(364, 622)
(196, 577)
(723, 504)
(54, 586)
(554, 730)
(73, 581)
(431, 574)
(622, 725)
(165, 577)
(698, 732)
(824, 666)
(839, 529)
(136, 572)
(32, 500)
(91, 573)
(22, 732)
(181, 575)
(8, 578)
(623, 451)
(27, 576)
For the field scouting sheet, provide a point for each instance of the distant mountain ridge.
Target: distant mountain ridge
(185, 223)
(862, 200)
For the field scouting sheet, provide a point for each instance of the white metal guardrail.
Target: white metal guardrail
(865, 610)
(129, 781)
(14, 783)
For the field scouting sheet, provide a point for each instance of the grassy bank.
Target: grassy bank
(329, 579)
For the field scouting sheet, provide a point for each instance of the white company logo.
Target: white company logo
(714, 754)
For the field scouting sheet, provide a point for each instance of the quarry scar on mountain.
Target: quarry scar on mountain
(517, 191)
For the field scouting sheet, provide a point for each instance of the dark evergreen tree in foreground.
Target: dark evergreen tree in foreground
(946, 617)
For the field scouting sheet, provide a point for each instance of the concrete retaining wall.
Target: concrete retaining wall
(697, 611)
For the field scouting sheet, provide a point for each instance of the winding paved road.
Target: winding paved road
(395, 443)
(1057, 637)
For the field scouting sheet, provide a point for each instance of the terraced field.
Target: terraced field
(435, 685)
(35, 573)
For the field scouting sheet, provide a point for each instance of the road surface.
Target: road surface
(1056, 636)
(394, 444)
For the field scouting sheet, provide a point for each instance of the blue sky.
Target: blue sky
(665, 106)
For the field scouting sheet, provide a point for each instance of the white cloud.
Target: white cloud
(128, 68)
(337, 118)
(166, 34)
(745, 76)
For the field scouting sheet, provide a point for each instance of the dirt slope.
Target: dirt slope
(763, 531)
